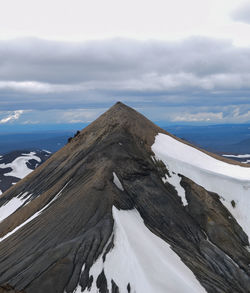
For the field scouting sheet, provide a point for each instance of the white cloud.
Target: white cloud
(148, 82)
(39, 87)
(242, 13)
(94, 19)
(199, 117)
(176, 114)
(80, 115)
(30, 122)
(13, 116)
(241, 114)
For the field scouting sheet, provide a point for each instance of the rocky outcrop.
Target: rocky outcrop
(8, 289)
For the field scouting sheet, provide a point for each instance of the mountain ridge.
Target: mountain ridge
(123, 116)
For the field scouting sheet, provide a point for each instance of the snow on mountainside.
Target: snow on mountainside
(12, 205)
(18, 164)
(231, 182)
(132, 254)
(125, 207)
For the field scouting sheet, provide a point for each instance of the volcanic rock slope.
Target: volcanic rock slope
(126, 207)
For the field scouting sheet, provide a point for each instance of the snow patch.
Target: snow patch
(117, 182)
(19, 165)
(174, 179)
(237, 156)
(11, 206)
(46, 151)
(36, 214)
(78, 289)
(167, 145)
(143, 260)
(230, 182)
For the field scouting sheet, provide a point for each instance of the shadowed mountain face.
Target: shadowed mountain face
(97, 216)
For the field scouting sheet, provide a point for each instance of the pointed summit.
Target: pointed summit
(119, 121)
(121, 116)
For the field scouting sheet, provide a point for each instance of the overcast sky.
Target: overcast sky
(175, 61)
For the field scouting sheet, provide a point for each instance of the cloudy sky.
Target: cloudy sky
(177, 61)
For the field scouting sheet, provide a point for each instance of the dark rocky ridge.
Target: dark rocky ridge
(47, 254)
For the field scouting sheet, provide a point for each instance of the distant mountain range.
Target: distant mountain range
(222, 139)
(48, 140)
(240, 147)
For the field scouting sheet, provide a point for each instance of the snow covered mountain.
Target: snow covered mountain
(127, 207)
(18, 164)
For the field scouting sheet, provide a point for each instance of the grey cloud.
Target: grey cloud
(117, 59)
(175, 114)
(242, 13)
(39, 74)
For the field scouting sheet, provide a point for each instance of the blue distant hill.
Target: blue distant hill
(51, 141)
(228, 138)
(222, 139)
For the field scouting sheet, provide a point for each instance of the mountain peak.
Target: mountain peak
(121, 105)
(121, 118)
(122, 113)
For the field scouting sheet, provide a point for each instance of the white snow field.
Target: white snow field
(230, 182)
(11, 206)
(19, 167)
(238, 156)
(143, 260)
